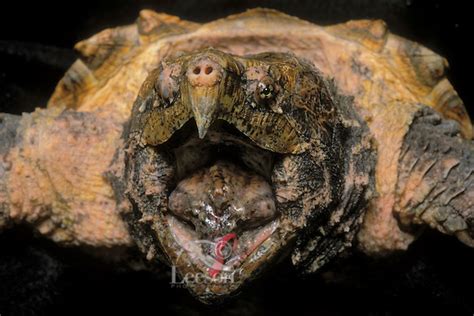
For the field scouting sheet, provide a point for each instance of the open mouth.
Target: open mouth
(222, 210)
(219, 165)
(234, 163)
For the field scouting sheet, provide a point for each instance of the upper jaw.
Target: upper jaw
(208, 86)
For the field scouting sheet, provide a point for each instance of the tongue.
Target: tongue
(220, 214)
(223, 199)
(220, 256)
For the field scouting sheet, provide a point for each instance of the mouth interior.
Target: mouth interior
(223, 206)
(204, 253)
(222, 142)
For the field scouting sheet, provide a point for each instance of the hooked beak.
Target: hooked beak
(204, 77)
(204, 103)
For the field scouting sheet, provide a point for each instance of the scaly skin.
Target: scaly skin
(52, 175)
(322, 174)
(387, 75)
(380, 166)
(435, 182)
(434, 187)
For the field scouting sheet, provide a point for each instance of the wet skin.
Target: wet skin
(229, 158)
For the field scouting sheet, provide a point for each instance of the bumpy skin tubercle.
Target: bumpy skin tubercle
(436, 177)
(321, 188)
(52, 176)
(361, 172)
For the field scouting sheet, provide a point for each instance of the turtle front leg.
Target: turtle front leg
(52, 165)
(435, 179)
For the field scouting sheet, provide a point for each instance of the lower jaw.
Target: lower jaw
(251, 247)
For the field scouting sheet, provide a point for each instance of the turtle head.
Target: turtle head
(256, 95)
(234, 163)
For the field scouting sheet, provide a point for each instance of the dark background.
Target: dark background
(36, 39)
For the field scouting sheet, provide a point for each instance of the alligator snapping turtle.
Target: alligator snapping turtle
(221, 148)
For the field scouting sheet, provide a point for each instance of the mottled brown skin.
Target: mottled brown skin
(366, 172)
(321, 177)
(387, 75)
(53, 177)
(435, 183)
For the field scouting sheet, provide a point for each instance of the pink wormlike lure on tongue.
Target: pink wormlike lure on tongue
(221, 244)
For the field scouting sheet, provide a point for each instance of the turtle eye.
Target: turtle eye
(265, 91)
(166, 85)
(166, 89)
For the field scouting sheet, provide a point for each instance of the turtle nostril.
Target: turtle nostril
(208, 70)
(204, 73)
